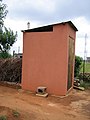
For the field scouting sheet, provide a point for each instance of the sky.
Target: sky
(44, 12)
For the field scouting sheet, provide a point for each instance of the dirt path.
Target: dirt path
(76, 106)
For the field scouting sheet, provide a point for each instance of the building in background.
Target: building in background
(88, 59)
(17, 55)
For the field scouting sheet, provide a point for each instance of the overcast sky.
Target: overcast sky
(43, 12)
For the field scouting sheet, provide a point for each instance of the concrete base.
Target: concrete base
(42, 95)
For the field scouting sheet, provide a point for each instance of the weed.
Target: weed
(86, 85)
(15, 113)
(3, 117)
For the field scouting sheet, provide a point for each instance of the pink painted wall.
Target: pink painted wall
(45, 59)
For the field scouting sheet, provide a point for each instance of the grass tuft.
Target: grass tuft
(3, 117)
(15, 113)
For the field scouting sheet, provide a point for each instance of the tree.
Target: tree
(7, 39)
(7, 36)
(78, 63)
(3, 13)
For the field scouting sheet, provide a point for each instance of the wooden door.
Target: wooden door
(70, 62)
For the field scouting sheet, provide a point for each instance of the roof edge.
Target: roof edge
(69, 22)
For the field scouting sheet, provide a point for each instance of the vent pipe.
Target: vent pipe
(28, 25)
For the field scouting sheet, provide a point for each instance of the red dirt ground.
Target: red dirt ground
(74, 106)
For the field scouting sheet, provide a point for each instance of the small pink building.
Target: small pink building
(48, 58)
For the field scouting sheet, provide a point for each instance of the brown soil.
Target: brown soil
(75, 106)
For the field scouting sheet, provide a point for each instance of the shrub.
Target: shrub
(78, 65)
(5, 55)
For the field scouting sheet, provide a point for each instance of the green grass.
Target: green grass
(87, 68)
